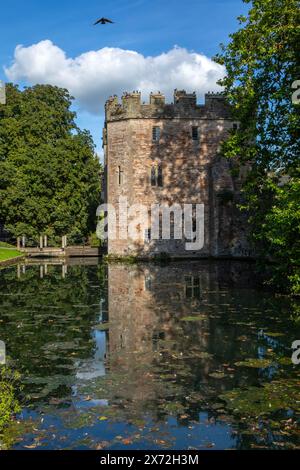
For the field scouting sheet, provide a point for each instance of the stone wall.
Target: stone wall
(193, 171)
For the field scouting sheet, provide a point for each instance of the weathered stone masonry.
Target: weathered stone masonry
(185, 155)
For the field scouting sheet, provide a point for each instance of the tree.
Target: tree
(50, 175)
(262, 63)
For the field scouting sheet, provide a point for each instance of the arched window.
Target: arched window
(153, 175)
(155, 134)
(195, 133)
(120, 176)
(157, 175)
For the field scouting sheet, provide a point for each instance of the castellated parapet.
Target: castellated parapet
(184, 106)
(160, 153)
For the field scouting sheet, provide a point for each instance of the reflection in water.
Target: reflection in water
(184, 355)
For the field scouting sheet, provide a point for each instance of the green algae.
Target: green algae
(273, 396)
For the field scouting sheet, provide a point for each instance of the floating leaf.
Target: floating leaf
(255, 363)
(285, 361)
(217, 375)
(255, 401)
(126, 442)
(274, 335)
(194, 318)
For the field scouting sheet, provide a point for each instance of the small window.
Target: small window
(192, 287)
(157, 175)
(148, 235)
(195, 133)
(153, 176)
(156, 134)
(156, 338)
(172, 228)
(235, 127)
(148, 282)
(120, 176)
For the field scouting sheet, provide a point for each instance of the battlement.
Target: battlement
(184, 106)
(157, 99)
(184, 99)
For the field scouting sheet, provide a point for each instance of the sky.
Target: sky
(153, 45)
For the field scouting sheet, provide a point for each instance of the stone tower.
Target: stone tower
(159, 153)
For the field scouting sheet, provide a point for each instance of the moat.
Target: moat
(187, 355)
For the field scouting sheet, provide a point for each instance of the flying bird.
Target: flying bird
(103, 21)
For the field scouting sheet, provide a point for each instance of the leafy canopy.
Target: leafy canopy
(262, 61)
(49, 173)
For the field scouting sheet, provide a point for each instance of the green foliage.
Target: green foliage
(50, 176)
(262, 62)
(121, 259)
(94, 241)
(9, 404)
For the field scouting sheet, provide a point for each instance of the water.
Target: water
(188, 355)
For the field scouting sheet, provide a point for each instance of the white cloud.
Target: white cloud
(95, 75)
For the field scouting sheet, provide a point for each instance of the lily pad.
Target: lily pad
(217, 375)
(256, 401)
(202, 355)
(285, 361)
(255, 363)
(194, 318)
(273, 334)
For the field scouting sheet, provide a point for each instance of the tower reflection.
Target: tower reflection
(168, 337)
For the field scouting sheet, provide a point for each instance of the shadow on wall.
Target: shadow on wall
(182, 170)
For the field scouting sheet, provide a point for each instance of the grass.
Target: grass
(8, 252)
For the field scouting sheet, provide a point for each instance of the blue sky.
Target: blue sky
(148, 27)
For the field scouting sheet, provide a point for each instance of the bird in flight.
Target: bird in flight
(103, 21)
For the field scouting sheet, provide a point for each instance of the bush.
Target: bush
(94, 241)
(9, 404)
